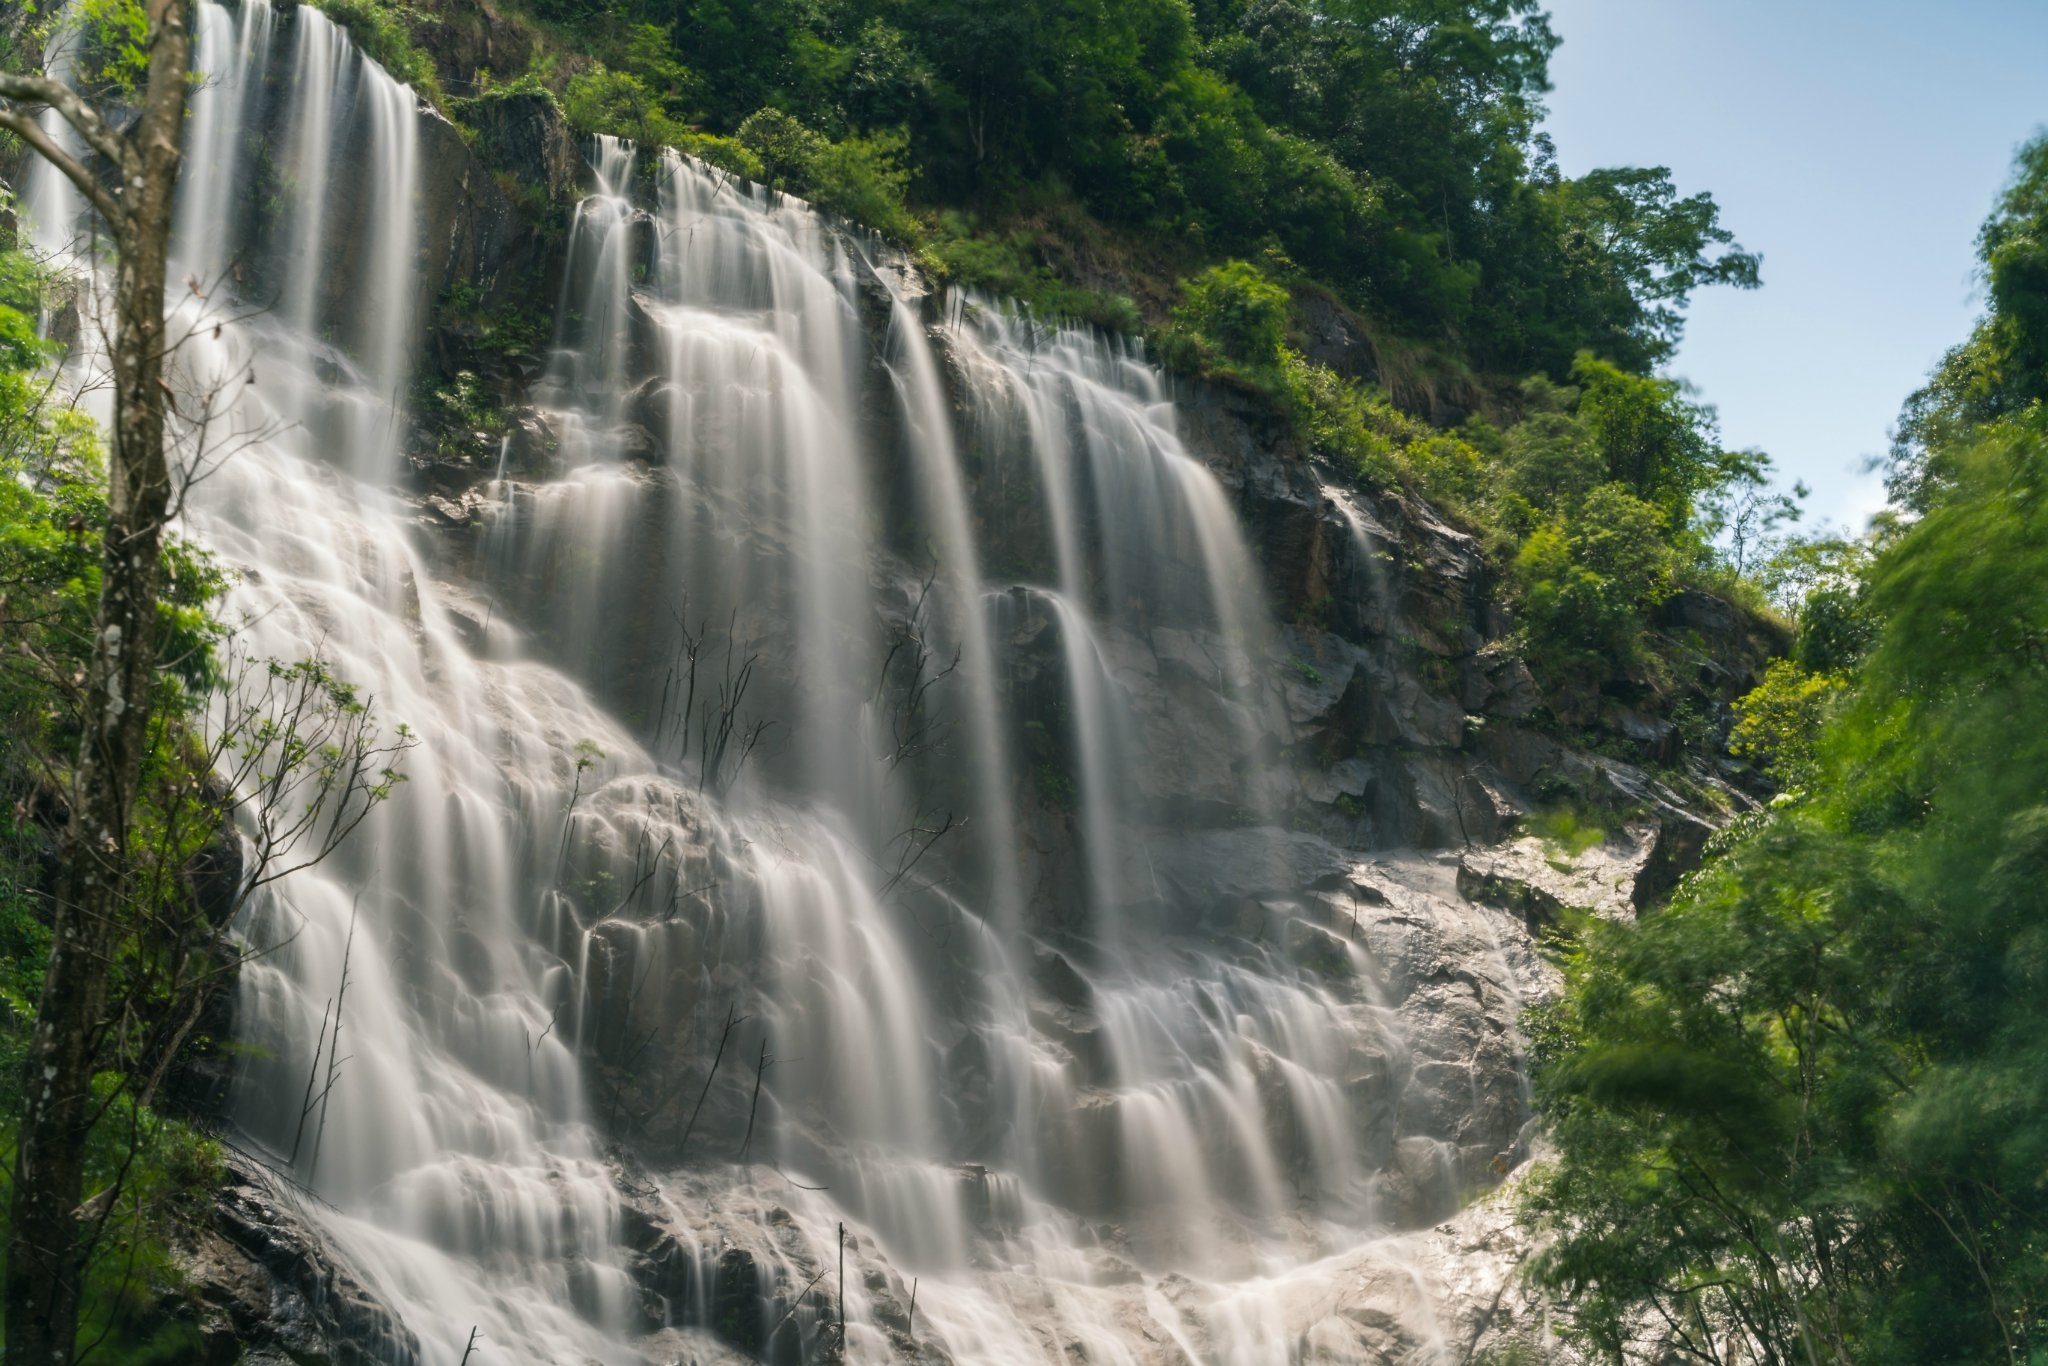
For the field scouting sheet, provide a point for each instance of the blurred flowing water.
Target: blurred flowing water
(918, 550)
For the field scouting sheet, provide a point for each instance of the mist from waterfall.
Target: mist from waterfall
(815, 682)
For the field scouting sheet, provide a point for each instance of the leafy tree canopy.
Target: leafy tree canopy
(1388, 147)
(1802, 1112)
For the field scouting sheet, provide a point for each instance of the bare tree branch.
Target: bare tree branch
(43, 145)
(72, 108)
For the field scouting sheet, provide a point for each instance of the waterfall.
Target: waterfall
(880, 671)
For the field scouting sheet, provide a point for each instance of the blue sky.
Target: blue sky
(1857, 144)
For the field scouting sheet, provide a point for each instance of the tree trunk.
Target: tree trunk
(44, 1253)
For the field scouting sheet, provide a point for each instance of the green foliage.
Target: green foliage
(1388, 147)
(147, 1174)
(1621, 256)
(1602, 496)
(782, 144)
(860, 177)
(1513, 1352)
(52, 509)
(1806, 1095)
(1778, 722)
(1550, 459)
(463, 417)
(164, 1169)
(1380, 153)
(1586, 581)
(604, 101)
(1567, 830)
(2001, 373)
(1434, 102)
(507, 327)
(114, 42)
(1008, 266)
(465, 402)
(1803, 1110)
(1354, 428)
(384, 30)
(1820, 581)
(864, 178)
(1655, 443)
(1234, 312)
(2014, 249)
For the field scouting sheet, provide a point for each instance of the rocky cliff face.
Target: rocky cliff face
(1399, 742)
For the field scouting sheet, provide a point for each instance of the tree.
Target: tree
(2002, 370)
(127, 175)
(1586, 580)
(1801, 1112)
(1658, 445)
(1237, 313)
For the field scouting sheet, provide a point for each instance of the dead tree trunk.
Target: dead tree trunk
(133, 196)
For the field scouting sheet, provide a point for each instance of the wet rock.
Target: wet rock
(1335, 337)
(1371, 713)
(1451, 1294)
(1086, 1043)
(692, 1347)
(1056, 977)
(262, 1281)
(653, 403)
(1316, 950)
(635, 443)
(533, 445)
(737, 1312)
(448, 511)
(526, 137)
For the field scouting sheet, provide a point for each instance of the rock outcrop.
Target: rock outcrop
(266, 1291)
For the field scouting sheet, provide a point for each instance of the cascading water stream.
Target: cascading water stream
(824, 627)
(943, 500)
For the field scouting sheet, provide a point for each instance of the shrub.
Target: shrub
(1586, 581)
(786, 148)
(864, 178)
(1007, 264)
(861, 177)
(1778, 721)
(604, 101)
(1238, 313)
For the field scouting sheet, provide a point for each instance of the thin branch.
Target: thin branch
(761, 1066)
(39, 142)
(72, 108)
(796, 1303)
(731, 1024)
(312, 1076)
(334, 1058)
